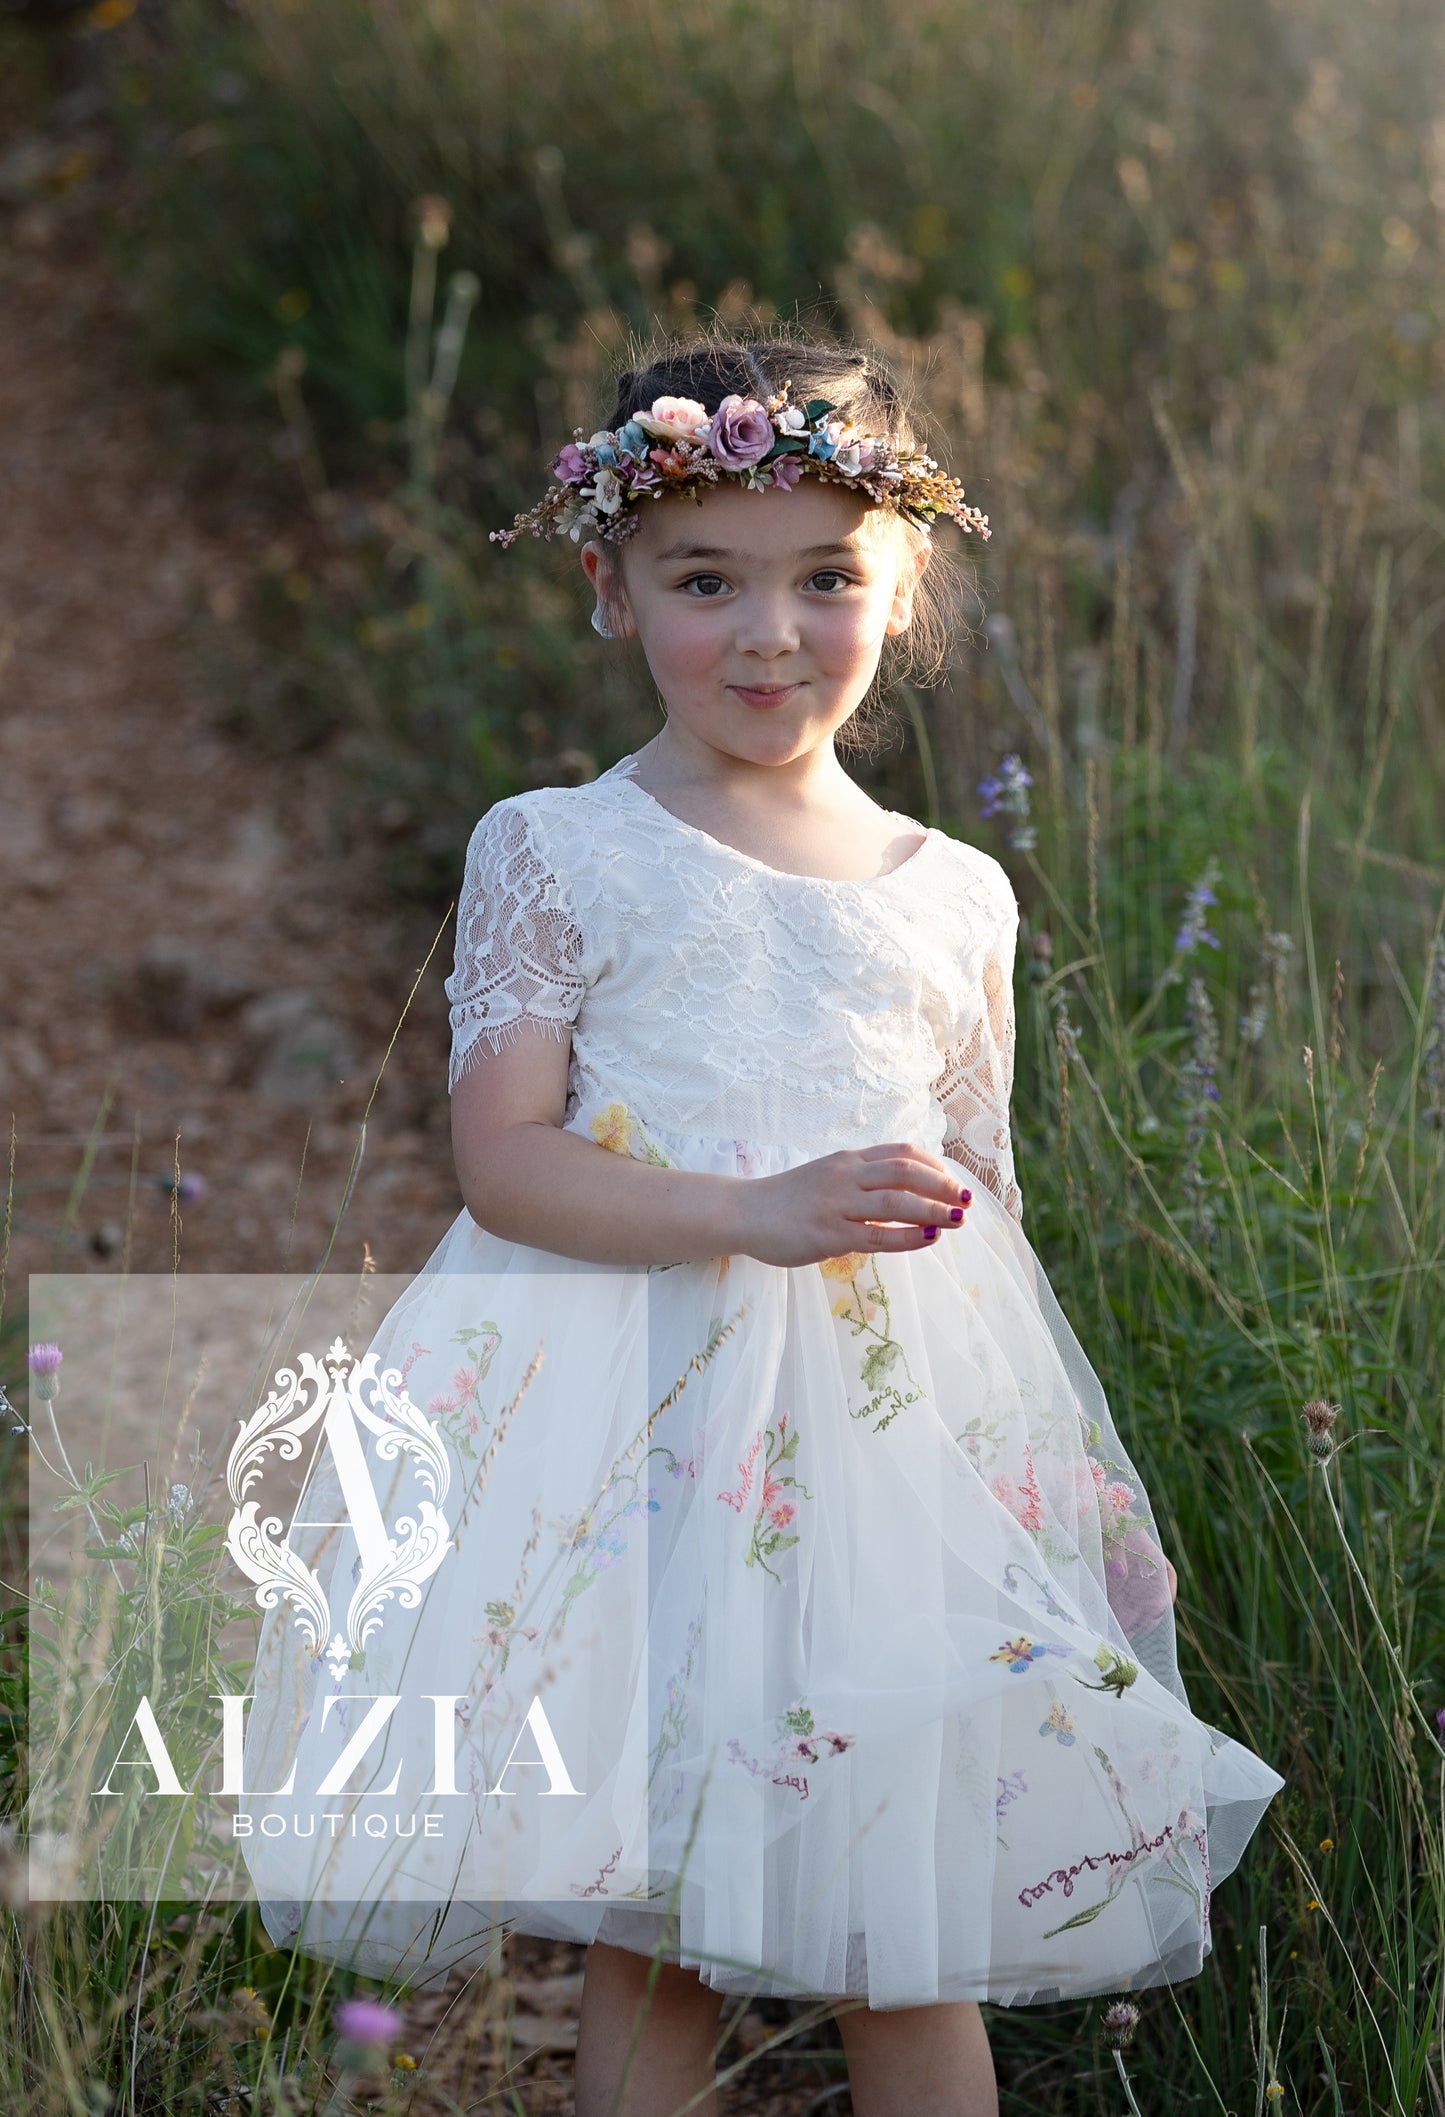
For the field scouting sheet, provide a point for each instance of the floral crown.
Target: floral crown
(677, 446)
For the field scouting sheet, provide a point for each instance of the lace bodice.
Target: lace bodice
(720, 998)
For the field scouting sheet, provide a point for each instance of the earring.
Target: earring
(599, 623)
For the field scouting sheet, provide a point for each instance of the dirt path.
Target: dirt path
(176, 921)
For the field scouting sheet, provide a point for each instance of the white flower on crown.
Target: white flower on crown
(792, 419)
(675, 419)
(607, 492)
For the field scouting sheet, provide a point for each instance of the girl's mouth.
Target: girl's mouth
(763, 694)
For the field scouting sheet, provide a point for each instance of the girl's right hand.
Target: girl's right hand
(833, 1207)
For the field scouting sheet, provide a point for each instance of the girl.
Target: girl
(795, 1501)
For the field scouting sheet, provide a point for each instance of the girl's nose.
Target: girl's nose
(767, 626)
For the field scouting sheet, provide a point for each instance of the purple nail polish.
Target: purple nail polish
(967, 1197)
(929, 1234)
(956, 1213)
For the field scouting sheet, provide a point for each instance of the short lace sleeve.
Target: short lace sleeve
(519, 947)
(977, 1078)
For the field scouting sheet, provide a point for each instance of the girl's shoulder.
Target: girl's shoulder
(560, 818)
(983, 880)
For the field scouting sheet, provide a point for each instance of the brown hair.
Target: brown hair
(718, 363)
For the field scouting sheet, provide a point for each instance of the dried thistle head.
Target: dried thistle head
(1118, 2024)
(1319, 1417)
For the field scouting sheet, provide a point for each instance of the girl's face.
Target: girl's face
(762, 614)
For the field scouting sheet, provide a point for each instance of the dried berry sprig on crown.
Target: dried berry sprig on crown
(678, 446)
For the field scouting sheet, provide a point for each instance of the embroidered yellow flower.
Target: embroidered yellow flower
(846, 1267)
(612, 1129)
(616, 1129)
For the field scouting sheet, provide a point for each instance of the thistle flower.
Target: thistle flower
(1118, 2024)
(368, 2021)
(1319, 1417)
(1007, 793)
(44, 1367)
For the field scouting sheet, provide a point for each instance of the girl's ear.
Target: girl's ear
(912, 561)
(604, 571)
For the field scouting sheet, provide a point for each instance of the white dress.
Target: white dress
(842, 1596)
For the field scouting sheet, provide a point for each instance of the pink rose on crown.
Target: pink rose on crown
(674, 419)
(741, 433)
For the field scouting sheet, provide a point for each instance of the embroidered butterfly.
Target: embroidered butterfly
(1018, 1653)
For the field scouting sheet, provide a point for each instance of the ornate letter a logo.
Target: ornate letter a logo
(390, 1565)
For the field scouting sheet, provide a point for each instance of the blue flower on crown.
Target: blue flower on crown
(604, 452)
(632, 439)
(822, 444)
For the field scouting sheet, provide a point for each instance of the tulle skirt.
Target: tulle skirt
(808, 1627)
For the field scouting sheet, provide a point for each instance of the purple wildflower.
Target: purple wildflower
(1118, 2024)
(1193, 930)
(44, 1366)
(368, 2021)
(1007, 793)
(189, 1189)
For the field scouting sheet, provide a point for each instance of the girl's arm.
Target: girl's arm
(525, 1179)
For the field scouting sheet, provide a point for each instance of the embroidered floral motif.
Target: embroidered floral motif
(1059, 1723)
(775, 1508)
(737, 1500)
(858, 1309)
(504, 1628)
(1117, 1669)
(590, 1537)
(673, 1722)
(1009, 1790)
(1050, 1603)
(1025, 1502)
(1018, 1653)
(459, 1411)
(798, 1739)
(621, 1132)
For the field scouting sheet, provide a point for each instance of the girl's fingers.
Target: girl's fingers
(910, 1205)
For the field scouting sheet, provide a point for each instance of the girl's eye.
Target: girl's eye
(706, 585)
(831, 573)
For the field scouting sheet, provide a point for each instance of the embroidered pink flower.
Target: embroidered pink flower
(1099, 1474)
(781, 1515)
(442, 1405)
(741, 433)
(1119, 1496)
(464, 1381)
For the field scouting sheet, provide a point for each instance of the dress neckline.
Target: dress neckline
(622, 774)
